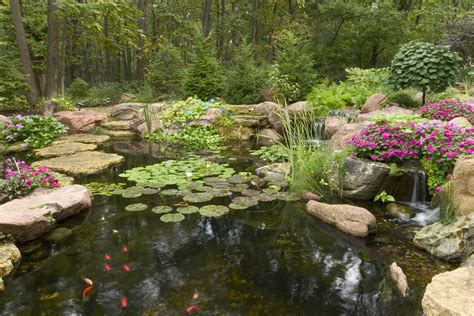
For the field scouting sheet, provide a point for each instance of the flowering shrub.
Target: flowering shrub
(446, 110)
(435, 143)
(20, 179)
(37, 131)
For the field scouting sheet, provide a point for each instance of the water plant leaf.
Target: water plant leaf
(131, 194)
(162, 209)
(137, 207)
(190, 209)
(172, 218)
(213, 210)
(198, 197)
(104, 189)
(236, 206)
(169, 192)
(250, 192)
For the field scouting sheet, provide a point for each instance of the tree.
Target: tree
(141, 41)
(53, 50)
(424, 66)
(25, 57)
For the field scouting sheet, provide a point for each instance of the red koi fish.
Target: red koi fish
(107, 257)
(123, 303)
(87, 290)
(193, 308)
(107, 267)
(126, 268)
(124, 249)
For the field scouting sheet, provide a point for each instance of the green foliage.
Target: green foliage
(384, 197)
(244, 80)
(293, 74)
(324, 98)
(165, 70)
(272, 153)
(64, 104)
(403, 99)
(37, 131)
(204, 77)
(395, 120)
(422, 66)
(193, 137)
(107, 92)
(12, 85)
(447, 208)
(372, 78)
(185, 111)
(79, 89)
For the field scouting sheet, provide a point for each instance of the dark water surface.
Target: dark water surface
(273, 259)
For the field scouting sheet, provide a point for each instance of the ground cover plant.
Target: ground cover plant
(446, 110)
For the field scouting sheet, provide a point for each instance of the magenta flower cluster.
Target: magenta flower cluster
(447, 110)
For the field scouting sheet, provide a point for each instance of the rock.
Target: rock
(267, 137)
(29, 217)
(265, 108)
(448, 242)
(387, 112)
(143, 128)
(88, 162)
(127, 111)
(299, 110)
(400, 211)
(212, 115)
(127, 97)
(118, 134)
(469, 262)
(83, 138)
(344, 135)
(236, 133)
(63, 149)
(117, 125)
(332, 124)
(17, 148)
(80, 121)
(408, 184)
(450, 293)
(463, 185)
(244, 109)
(4, 121)
(58, 234)
(373, 103)
(310, 196)
(461, 121)
(249, 120)
(362, 178)
(353, 220)
(274, 169)
(9, 256)
(400, 279)
(276, 122)
(418, 97)
(2, 285)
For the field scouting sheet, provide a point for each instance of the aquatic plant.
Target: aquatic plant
(162, 209)
(173, 218)
(136, 207)
(384, 197)
(190, 209)
(447, 110)
(105, 189)
(213, 210)
(272, 153)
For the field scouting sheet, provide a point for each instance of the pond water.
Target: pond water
(270, 259)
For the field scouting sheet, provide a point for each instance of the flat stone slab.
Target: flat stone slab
(117, 125)
(118, 134)
(83, 138)
(29, 217)
(83, 163)
(64, 149)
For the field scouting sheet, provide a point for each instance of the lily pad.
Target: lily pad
(213, 210)
(104, 189)
(131, 194)
(136, 207)
(247, 200)
(250, 192)
(162, 209)
(149, 191)
(236, 206)
(267, 197)
(172, 218)
(169, 192)
(198, 197)
(188, 209)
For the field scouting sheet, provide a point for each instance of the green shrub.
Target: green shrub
(424, 66)
(244, 81)
(373, 78)
(12, 86)
(185, 111)
(272, 153)
(324, 98)
(403, 99)
(106, 92)
(193, 137)
(293, 74)
(165, 70)
(79, 89)
(204, 77)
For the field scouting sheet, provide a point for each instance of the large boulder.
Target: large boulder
(362, 178)
(212, 115)
(265, 108)
(332, 124)
(353, 220)
(63, 149)
(387, 112)
(236, 133)
(399, 278)
(127, 111)
(408, 184)
(277, 169)
(344, 135)
(463, 185)
(249, 120)
(80, 121)
(29, 217)
(450, 293)
(373, 103)
(268, 136)
(448, 242)
(83, 163)
(299, 109)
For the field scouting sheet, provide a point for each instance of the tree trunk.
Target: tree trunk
(255, 5)
(26, 64)
(206, 18)
(141, 41)
(53, 50)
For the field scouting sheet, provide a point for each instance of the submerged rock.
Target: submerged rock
(353, 220)
(63, 149)
(83, 138)
(80, 121)
(400, 279)
(9, 256)
(88, 162)
(448, 242)
(29, 217)
(400, 211)
(58, 234)
(450, 293)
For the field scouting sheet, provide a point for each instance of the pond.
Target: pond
(269, 259)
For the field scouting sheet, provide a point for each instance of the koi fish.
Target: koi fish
(126, 268)
(192, 309)
(87, 290)
(107, 257)
(195, 296)
(124, 249)
(123, 303)
(114, 231)
(88, 281)
(107, 267)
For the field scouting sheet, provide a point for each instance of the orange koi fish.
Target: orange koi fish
(126, 268)
(107, 267)
(107, 257)
(123, 303)
(192, 309)
(124, 249)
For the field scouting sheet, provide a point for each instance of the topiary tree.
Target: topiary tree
(423, 65)
(204, 77)
(244, 80)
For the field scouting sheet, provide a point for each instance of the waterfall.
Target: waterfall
(419, 187)
(319, 129)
